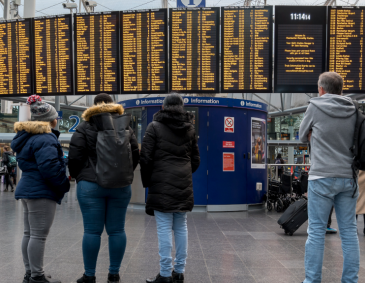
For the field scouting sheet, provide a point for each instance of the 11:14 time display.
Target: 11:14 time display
(300, 16)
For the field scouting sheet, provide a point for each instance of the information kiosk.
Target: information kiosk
(232, 141)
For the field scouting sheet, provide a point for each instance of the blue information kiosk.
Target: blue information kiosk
(232, 141)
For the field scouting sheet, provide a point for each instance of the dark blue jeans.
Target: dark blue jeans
(103, 207)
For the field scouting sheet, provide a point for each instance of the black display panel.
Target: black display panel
(16, 58)
(144, 51)
(246, 49)
(97, 53)
(346, 46)
(53, 55)
(300, 43)
(194, 50)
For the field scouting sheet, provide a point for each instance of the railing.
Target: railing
(274, 169)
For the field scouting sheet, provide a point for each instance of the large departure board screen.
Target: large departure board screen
(194, 50)
(15, 58)
(247, 49)
(346, 46)
(53, 55)
(97, 53)
(144, 51)
(300, 43)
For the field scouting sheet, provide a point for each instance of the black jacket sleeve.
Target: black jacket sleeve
(77, 155)
(147, 153)
(5, 159)
(195, 155)
(135, 149)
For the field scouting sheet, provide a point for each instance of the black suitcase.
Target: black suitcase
(286, 183)
(294, 216)
(304, 182)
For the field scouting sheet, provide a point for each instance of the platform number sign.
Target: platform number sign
(77, 122)
(229, 124)
(190, 3)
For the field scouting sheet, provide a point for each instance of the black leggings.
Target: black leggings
(8, 181)
(364, 218)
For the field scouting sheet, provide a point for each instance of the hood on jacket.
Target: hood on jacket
(25, 130)
(334, 105)
(102, 108)
(178, 122)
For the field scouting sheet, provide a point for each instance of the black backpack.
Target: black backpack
(358, 147)
(114, 165)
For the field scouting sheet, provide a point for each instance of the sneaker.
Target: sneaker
(43, 279)
(113, 278)
(330, 230)
(160, 279)
(86, 279)
(26, 278)
(177, 277)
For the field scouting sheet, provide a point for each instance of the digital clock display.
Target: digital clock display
(300, 48)
(299, 16)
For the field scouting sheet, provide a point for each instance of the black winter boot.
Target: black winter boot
(113, 278)
(43, 279)
(26, 278)
(160, 279)
(177, 277)
(86, 279)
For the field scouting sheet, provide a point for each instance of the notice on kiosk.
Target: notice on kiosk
(229, 124)
(228, 161)
(228, 144)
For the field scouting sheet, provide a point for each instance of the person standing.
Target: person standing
(6, 162)
(103, 206)
(169, 157)
(279, 160)
(360, 206)
(329, 125)
(42, 185)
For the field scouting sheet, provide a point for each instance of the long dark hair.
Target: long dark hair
(278, 156)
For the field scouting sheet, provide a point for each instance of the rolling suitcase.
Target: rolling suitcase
(294, 216)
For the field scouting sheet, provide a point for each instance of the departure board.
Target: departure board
(15, 58)
(144, 51)
(53, 55)
(194, 50)
(246, 49)
(346, 46)
(97, 53)
(300, 43)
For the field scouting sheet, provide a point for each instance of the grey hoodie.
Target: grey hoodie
(332, 121)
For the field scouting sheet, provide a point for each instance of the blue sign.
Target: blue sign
(198, 101)
(73, 128)
(190, 3)
(60, 114)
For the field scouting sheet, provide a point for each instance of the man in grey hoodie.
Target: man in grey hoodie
(329, 125)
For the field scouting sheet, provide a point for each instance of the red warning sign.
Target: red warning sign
(228, 144)
(229, 124)
(228, 161)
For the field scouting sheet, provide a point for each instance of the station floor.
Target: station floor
(236, 247)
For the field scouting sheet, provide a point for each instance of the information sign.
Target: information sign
(228, 162)
(97, 53)
(300, 43)
(144, 51)
(346, 46)
(229, 124)
(190, 3)
(228, 144)
(16, 58)
(194, 50)
(53, 55)
(246, 49)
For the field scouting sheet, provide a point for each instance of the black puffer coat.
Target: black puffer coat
(169, 157)
(83, 143)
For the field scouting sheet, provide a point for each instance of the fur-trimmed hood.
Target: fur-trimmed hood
(33, 127)
(178, 122)
(102, 108)
(25, 130)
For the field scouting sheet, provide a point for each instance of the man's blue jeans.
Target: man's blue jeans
(322, 195)
(166, 222)
(103, 207)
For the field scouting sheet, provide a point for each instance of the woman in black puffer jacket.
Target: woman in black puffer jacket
(169, 157)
